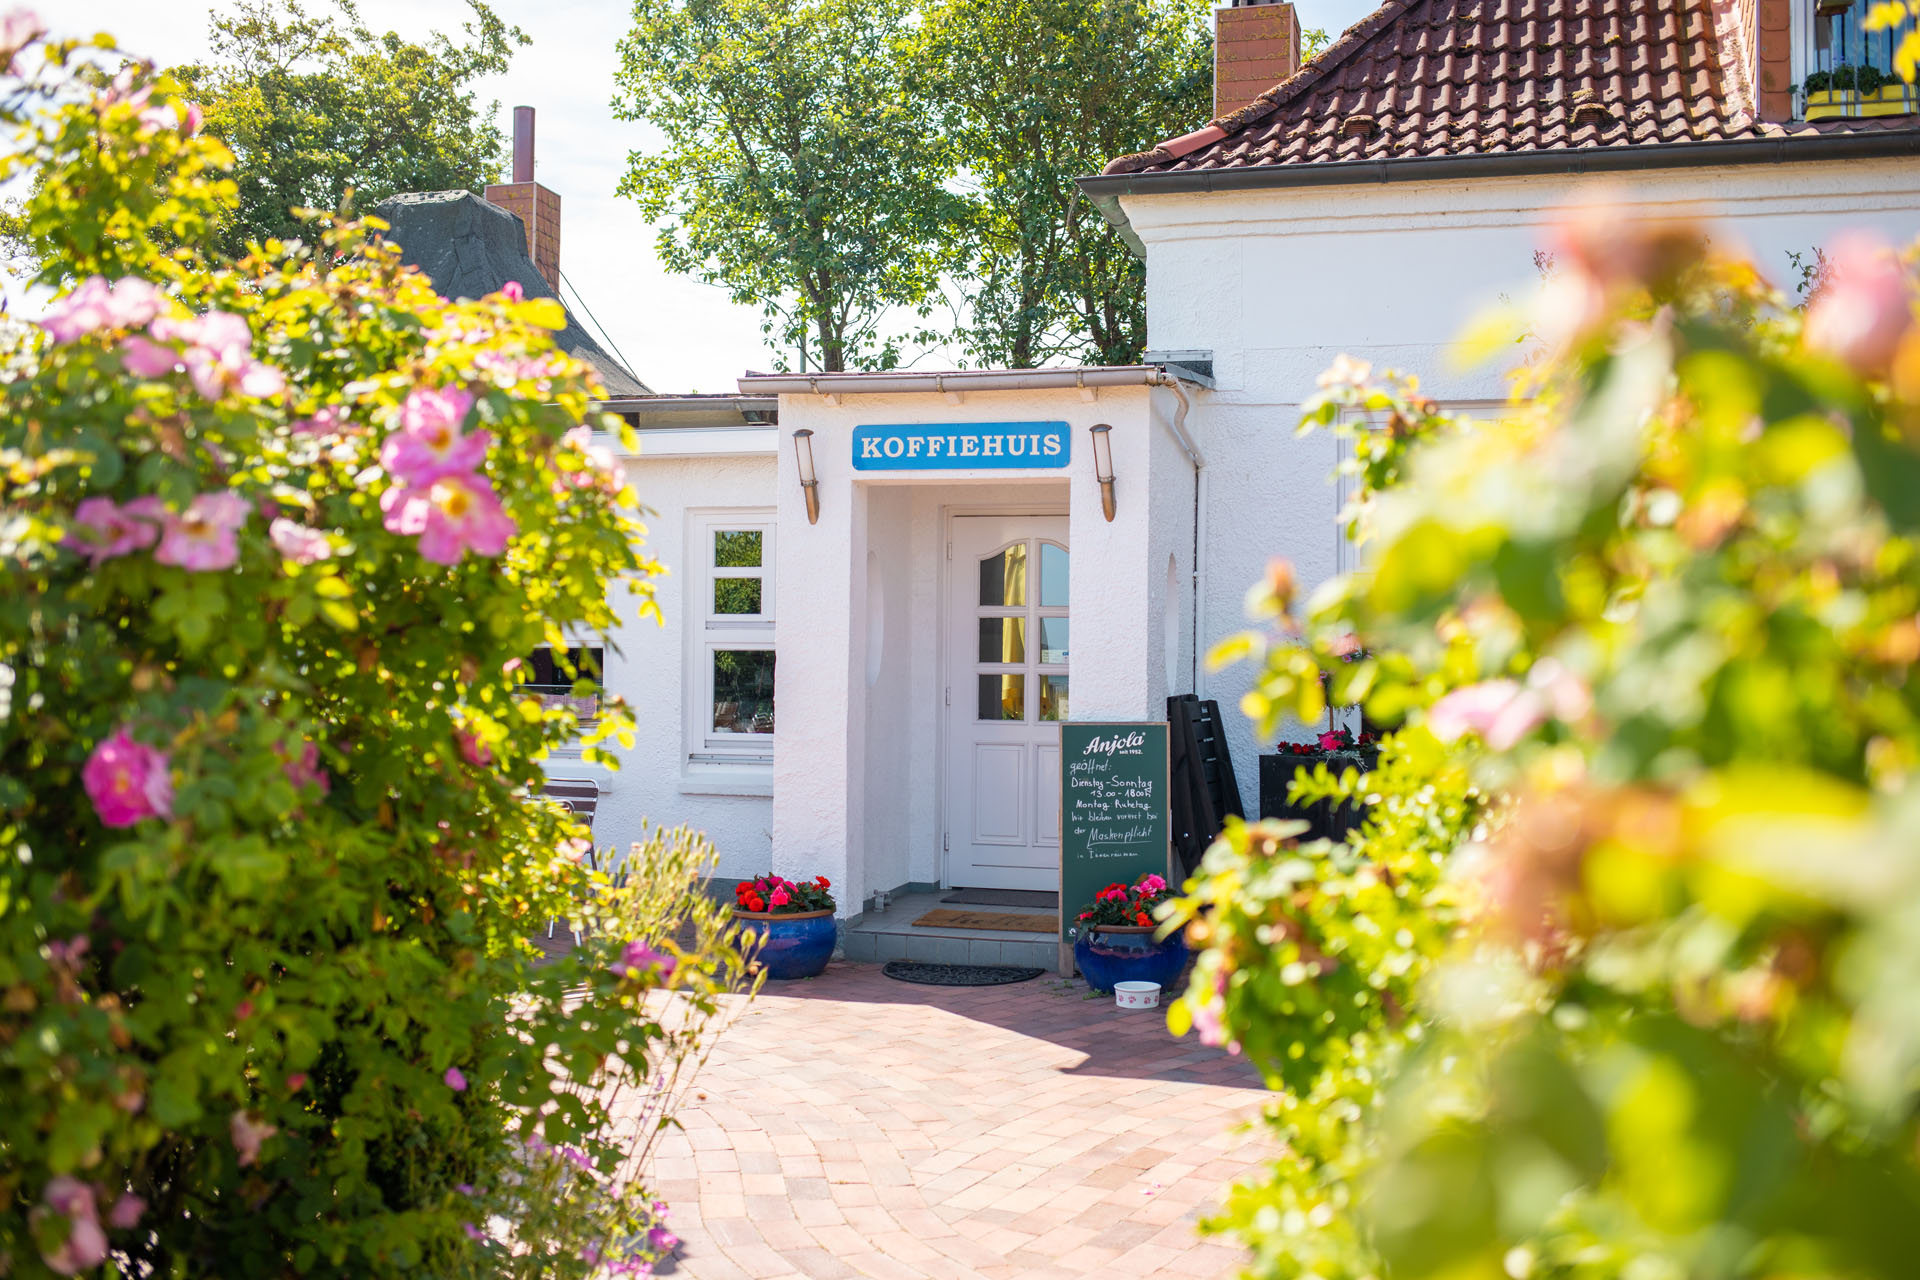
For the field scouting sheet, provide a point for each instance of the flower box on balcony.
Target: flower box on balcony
(1887, 100)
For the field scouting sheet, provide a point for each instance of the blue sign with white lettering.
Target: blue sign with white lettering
(953, 446)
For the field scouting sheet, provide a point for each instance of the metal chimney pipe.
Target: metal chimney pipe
(523, 144)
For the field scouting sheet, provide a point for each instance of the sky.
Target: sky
(676, 334)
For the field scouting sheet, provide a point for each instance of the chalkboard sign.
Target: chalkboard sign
(1114, 818)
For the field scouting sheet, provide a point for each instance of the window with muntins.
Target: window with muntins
(732, 686)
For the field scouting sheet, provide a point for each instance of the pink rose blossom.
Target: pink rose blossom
(299, 543)
(86, 1244)
(219, 355)
(94, 304)
(145, 359)
(1859, 315)
(181, 117)
(102, 530)
(304, 770)
(453, 515)
(512, 291)
(126, 1212)
(202, 537)
(636, 958)
(248, 1134)
(128, 781)
(455, 1080)
(472, 750)
(325, 421)
(1501, 711)
(429, 443)
(18, 29)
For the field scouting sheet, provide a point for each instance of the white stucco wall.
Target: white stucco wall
(1276, 283)
(858, 773)
(650, 670)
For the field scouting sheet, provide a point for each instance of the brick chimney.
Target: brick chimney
(538, 207)
(1256, 45)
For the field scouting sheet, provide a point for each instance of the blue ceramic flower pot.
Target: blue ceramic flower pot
(1128, 953)
(793, 946)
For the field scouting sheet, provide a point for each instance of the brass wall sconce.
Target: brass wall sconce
(809, 482)
(1103, 466)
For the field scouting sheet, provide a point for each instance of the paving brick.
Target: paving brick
(862, 1127)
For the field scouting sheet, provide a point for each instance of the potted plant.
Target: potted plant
(1338, 749)
(1853, 91)
(793, 920)
(1114, 937)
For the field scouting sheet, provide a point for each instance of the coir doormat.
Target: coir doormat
(1010, 921)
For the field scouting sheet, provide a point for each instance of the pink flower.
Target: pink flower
(305, 771)
(1153, 884)
(326, 420)
(663, 1240)
(86, 1244)
(201, 538)
(455, 1081)
(429, 443)
(472, 750)
(1330, 742)
(600, 463)
(473, 1232)
(128, 781)
(637, 958)
(299, 543)
(247, 1134)
(1859, 315)
(126, 1212)
(780, 898)
(182, 117)
(102, 530)
(296, 1082)
(219, 355)
(145, 359)
(454, 515)
(18, 29)
(512, 291)
(1501, 711)
(94, 304)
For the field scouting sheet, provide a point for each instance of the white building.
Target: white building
(1369, 204)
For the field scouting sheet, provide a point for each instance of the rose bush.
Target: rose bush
(1617, 977)
(275, 539)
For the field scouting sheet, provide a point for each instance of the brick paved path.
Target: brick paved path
(852, 1125)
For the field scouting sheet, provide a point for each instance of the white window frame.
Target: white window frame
(708, 749)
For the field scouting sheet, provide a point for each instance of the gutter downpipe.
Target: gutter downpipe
(1187, 446)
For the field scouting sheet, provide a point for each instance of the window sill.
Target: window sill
(727, 780)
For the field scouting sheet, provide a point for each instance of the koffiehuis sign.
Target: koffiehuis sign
(954, 446)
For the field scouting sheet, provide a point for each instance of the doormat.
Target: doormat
(1006, 920)
(1044, 899)
(958, 975)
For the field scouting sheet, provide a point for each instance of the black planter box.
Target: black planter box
(1325, 820)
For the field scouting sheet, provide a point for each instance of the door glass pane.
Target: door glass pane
(736, 595)
(1003, 697)
(1003, 639)
(1053, 697)
(736, 548)
(743, 691)
(1053, 639)
(1053, 575)
(1003, 578)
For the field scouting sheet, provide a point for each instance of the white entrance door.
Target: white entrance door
(1006, 696)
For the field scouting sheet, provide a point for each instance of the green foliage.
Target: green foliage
(800, 173)
(1647, 1005)
(314, 105)
(283, 1016)
(1031, 94)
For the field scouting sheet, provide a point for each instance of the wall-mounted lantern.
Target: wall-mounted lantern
(1103, 466)
(809, 482)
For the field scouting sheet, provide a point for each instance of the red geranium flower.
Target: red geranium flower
(1141, 918)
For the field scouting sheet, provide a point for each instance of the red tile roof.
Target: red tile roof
(1435, 78)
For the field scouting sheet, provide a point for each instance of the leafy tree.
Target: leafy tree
(1032, 94)
(314, 104)
(801, 171)
(273, 541)
(1617, 979)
